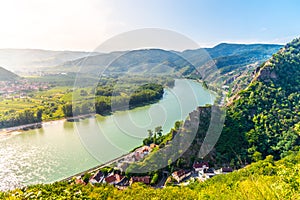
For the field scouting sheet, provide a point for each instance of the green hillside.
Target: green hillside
(264, 119)
(6, 75)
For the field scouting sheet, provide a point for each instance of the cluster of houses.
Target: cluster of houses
(115, 179)
(18, 89)
(201, 170)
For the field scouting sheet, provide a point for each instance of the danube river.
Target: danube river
(61, 149)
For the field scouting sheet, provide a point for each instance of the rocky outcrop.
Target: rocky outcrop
(266, 74)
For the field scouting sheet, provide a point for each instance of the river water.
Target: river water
(61, 149)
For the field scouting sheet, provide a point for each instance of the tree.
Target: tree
(39, 115)
(68, 110)
(158, 131)
(150, 134)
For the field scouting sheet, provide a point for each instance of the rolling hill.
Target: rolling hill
(6, 75)
(231, 60)
(137, 61)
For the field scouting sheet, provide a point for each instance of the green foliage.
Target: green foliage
(154, 179)
(264, 119)
(21, 118)
(86, 177)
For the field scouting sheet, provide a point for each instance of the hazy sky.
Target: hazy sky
(85, 24)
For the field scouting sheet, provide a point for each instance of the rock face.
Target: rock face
(266, 73)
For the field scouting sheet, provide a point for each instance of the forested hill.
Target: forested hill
(264, 119)
(6, 75)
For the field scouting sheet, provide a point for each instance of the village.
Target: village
(200, 171)
(20, 88)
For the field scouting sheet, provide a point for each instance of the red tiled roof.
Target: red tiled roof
(113, 178)
(110, 179)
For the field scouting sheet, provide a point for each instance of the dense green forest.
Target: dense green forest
(266, 179)
(264, 118)
(108, 99)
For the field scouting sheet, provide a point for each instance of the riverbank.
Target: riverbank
(23, 128)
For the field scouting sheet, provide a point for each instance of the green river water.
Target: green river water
(61, 149)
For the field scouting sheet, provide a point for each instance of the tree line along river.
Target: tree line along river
(60, 149)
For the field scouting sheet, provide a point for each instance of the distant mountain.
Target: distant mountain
(136, 61)
(31, 59)
(233, 61)
(229, 64)
(229, 58)
(6, 75)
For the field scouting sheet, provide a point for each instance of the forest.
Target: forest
(264, 118)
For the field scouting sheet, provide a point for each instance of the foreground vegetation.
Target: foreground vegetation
(266, 179)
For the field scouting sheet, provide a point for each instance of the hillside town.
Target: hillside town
(200, 171)
(20, 88)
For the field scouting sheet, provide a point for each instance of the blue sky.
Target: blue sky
(84, 24)
(213, 21)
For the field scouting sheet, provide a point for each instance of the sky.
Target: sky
(85, 24)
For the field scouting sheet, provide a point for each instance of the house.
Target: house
(180, 175)
(144, 179)
(113, 179)
(97, 178)
(200, 166)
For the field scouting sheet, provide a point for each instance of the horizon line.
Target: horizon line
(200, 47)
